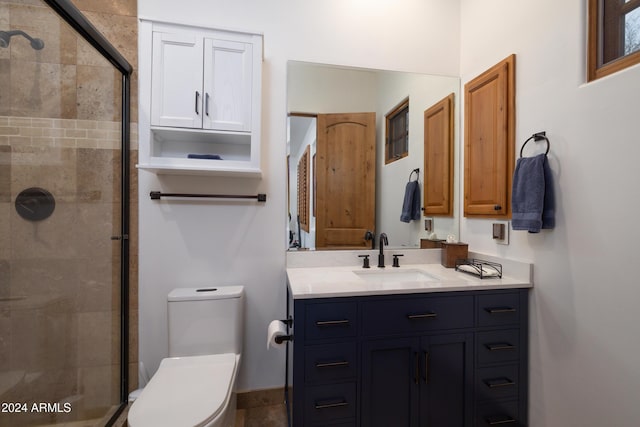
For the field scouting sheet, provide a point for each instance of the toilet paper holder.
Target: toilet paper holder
(282, 338)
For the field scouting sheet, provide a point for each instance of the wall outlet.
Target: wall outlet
(428, 224)
(500, 232)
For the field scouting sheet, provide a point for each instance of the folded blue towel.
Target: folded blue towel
(204, 156)
(532, 196)
(411, 204)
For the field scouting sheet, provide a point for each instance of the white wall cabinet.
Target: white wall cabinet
(201, 89)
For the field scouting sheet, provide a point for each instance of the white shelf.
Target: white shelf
(176, 166)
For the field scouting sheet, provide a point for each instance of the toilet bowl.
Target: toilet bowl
(195, 385)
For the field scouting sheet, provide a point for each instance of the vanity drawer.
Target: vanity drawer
(498, 346)
(497, 382)
(415, 314)
(330, 362)
(330, 320)
(499, 309)
(498, 414)
(330, 402)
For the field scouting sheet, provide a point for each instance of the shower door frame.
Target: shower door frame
(72, 15)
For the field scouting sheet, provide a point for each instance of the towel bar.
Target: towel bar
(156, 195)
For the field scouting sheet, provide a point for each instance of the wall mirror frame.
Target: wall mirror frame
(317, 90)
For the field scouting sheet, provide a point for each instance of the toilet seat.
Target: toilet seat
(186, 391)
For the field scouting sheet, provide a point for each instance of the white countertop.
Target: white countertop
(344, 281)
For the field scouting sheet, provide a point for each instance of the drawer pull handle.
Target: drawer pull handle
(499, 382)
(332, 322)
(500, 346)
(332, 364)
(494, 421)
(331, 405)
(422, 316)
(500, 310)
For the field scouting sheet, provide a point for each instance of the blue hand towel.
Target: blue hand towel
(411, 203)
(532, 195)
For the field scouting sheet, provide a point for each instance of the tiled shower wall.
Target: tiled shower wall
(59, 129)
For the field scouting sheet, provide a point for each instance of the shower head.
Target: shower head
(5, 39)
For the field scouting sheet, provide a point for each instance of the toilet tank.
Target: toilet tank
(205, 320)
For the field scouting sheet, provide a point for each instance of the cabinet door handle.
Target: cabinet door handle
(416, 374)
(332, 364)
(197, 101)
(206, 103)
(499, 310)
(500, 346)
(497, 207)
(426, 367)
(342, 322)
(331, 405)
(429, 315)
(499, 382)
(494, 421)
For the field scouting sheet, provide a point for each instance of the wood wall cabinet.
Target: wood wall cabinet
(455, 359)
(438, 158)
(201, 88)
(489, 142)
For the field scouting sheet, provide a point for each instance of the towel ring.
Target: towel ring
(417, 172)
(537, 137)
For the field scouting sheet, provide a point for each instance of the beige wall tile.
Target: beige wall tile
(96, 93)
(97, 344)
(53, 84)
(115, 7)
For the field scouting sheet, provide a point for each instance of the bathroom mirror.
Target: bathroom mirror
(319, 96)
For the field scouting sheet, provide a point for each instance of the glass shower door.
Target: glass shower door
(60, 204)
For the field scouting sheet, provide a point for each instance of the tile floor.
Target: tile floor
(263, 408)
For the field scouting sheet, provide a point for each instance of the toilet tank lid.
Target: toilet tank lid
(205, 293)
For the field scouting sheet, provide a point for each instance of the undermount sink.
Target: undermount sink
(385, 276)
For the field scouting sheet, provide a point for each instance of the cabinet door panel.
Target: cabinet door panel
(176, 81)
(227, 85)
(489, 141)
(390, 381)
(445, 394)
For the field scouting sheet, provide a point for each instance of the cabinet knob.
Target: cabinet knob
(497, 208)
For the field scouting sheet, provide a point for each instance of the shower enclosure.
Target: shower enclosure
(64, 145)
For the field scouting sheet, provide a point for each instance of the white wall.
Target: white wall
(190, 244)
(584, 368)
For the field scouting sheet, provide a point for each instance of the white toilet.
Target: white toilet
(195, 385)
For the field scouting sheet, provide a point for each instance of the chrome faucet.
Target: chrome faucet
(383, 241)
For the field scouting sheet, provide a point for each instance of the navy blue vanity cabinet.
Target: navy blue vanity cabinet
(325, 362)
(423, 379)
(501, 352)
(417, 381)
(440, 359)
